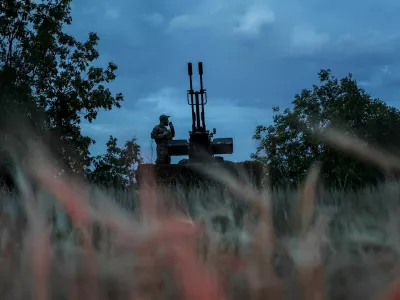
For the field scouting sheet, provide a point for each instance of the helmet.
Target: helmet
(162, 117)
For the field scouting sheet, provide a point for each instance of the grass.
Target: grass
(66, 240)
(111, 245)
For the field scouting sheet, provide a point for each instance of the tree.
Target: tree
(116, 168)
(50, 76)
(289, 148)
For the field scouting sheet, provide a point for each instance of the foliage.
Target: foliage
(289, 148)
(116, 168)
(49, 75)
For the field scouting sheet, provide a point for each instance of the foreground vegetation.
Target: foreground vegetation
(64, 238)
(352, 250)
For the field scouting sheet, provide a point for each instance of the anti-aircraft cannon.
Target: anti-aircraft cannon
(201, 147)
(201, 142)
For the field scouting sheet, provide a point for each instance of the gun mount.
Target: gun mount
(200, 147)
(201, 140)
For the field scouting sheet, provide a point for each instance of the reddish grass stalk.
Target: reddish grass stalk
(78, 212)
(197, 282)
(40, 246)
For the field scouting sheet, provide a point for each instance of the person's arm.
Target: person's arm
(172, 129)
(156, 135)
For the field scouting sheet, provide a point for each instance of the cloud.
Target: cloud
(307, 40)
(386, 75)
(189, 21)
(228, 19)
(154, 19)
(256, 16)
(367, 42)
(96, 129)
(112, 13)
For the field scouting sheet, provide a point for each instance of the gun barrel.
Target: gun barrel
(190, 70)
(203, 121)
(190, 73)
(197, 110)
(200, 68)
(201, 75)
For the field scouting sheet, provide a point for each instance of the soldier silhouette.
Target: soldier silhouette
(161, 134)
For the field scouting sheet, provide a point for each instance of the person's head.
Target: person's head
(164, 120)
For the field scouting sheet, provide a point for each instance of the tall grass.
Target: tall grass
(66, 240)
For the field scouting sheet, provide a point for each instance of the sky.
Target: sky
(256, 54)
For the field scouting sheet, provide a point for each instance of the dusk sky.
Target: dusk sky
(256, 55)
